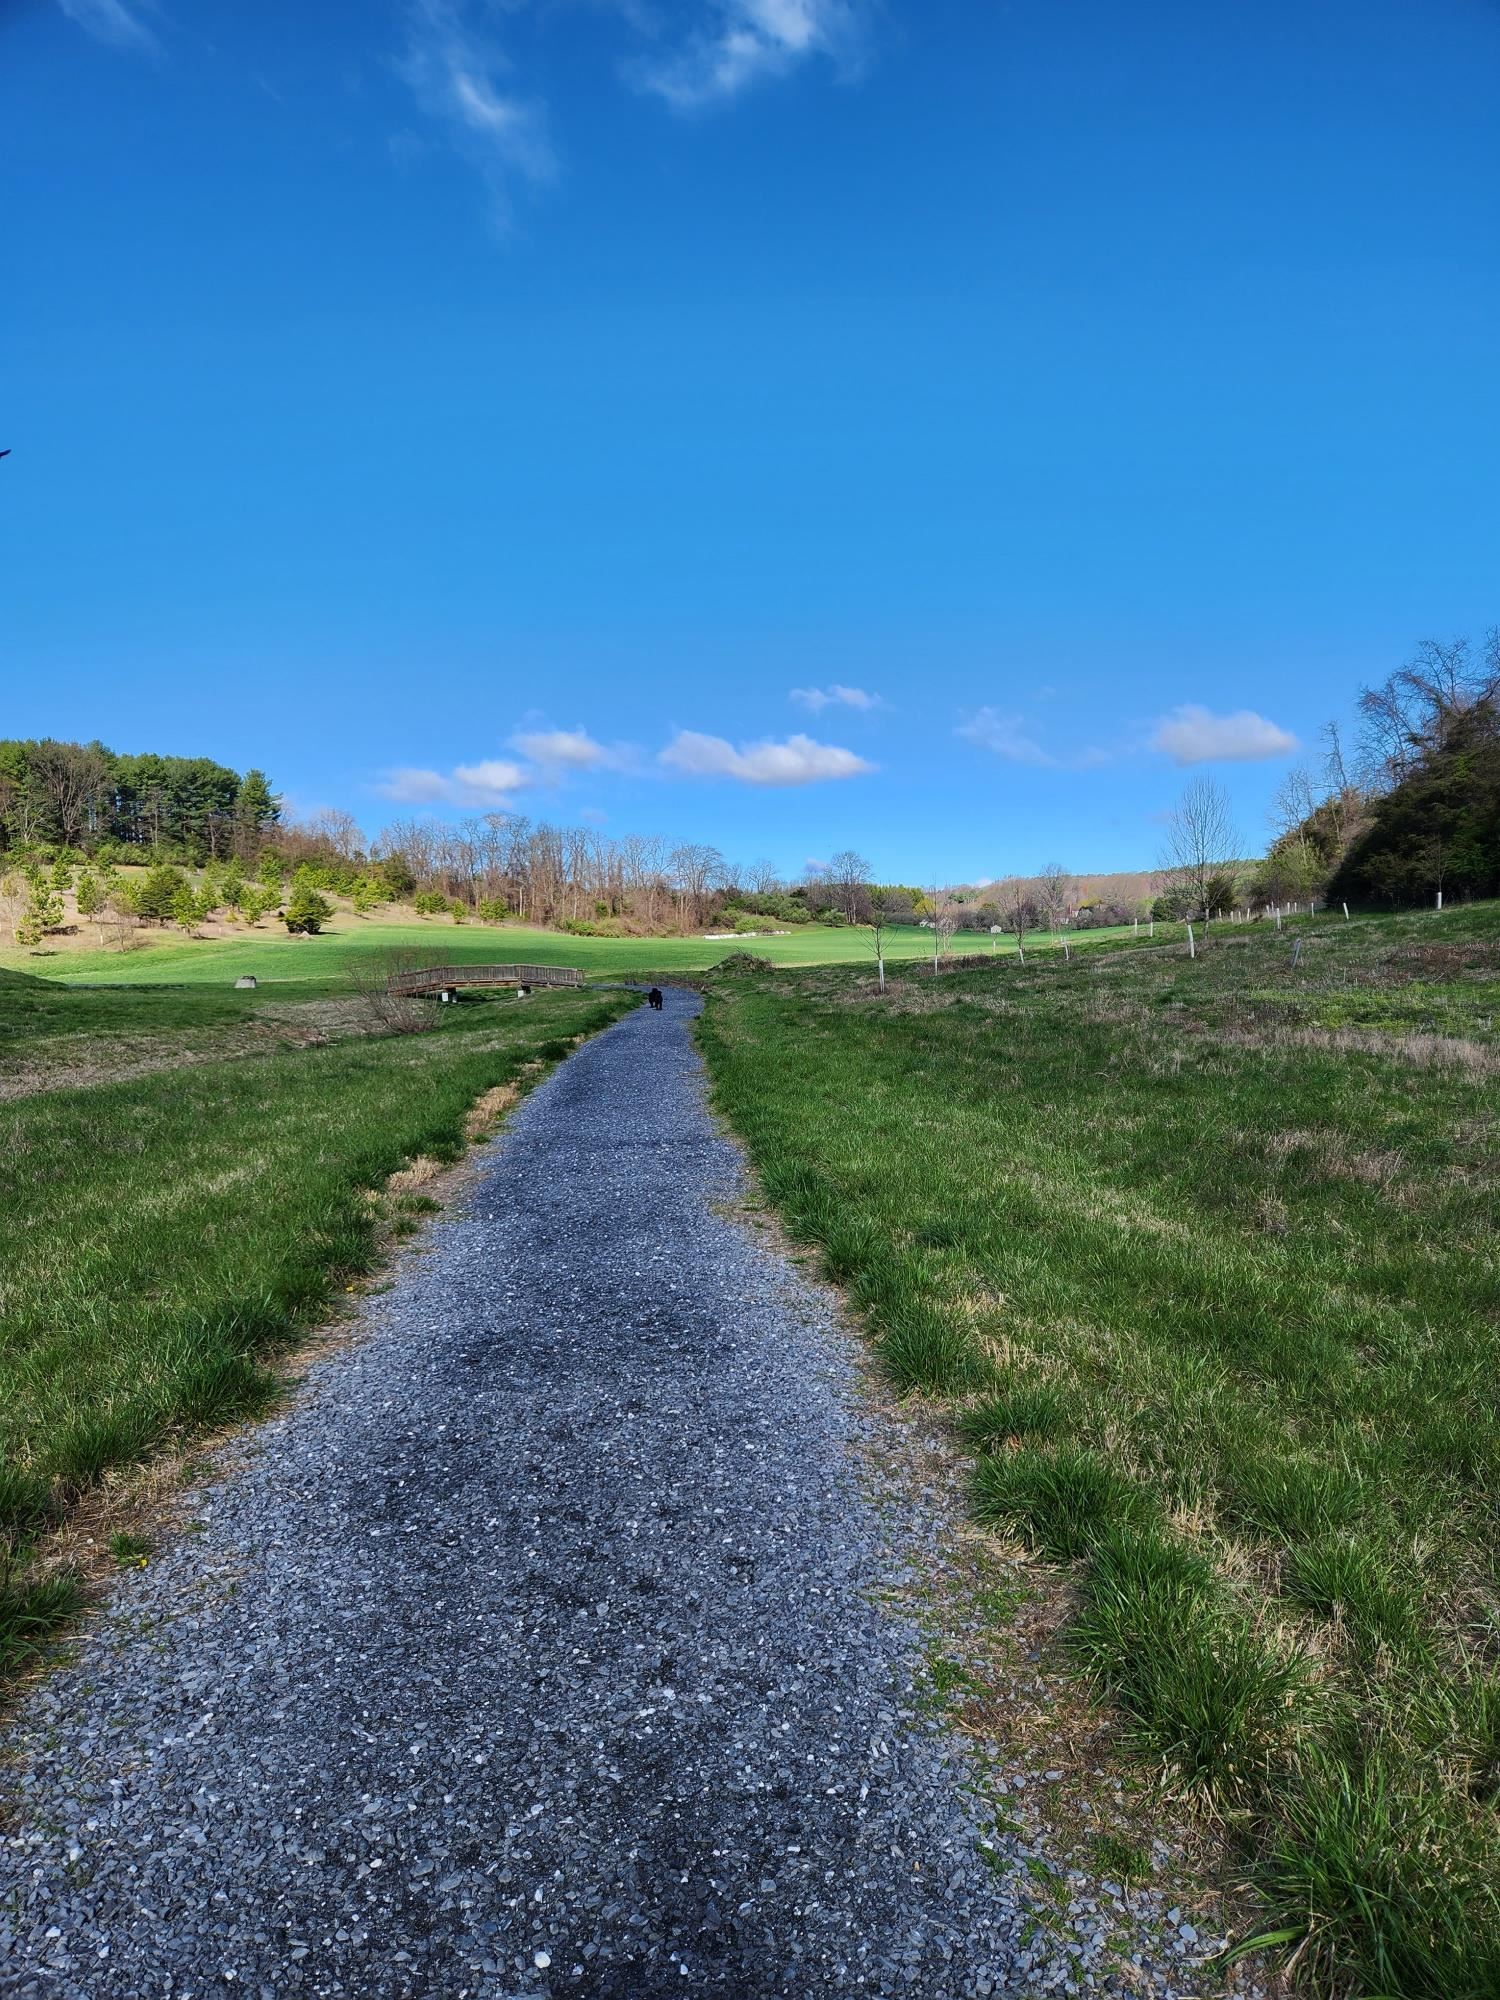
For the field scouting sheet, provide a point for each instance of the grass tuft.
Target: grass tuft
(32, 1612)
(1026, 1410)
(1202, 1691)
(1064, 1499)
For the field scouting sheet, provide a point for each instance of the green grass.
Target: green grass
(1201, 1256)
(160, 1237)
(323, 962)
(34, 1008)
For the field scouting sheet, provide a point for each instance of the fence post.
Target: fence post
(1192, 948)
(1346, 913)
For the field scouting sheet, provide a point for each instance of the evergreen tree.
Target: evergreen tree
(256, 809)
(308, 910)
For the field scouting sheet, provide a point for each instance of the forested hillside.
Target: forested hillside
(85, 796)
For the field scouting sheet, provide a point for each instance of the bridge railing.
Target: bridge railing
(444, 978)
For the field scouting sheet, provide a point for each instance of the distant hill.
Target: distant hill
(1131, 886)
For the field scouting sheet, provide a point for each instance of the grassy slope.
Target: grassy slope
(157, 1237)
(1202, 1256)
(171, 958)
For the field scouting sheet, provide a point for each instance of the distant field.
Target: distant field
(1201, 1256)
(169, 958)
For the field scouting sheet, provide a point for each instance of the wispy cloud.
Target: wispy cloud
(459, 77)
(109, 21)
(561, 751)
(1194, 735)
(817, 699)
(797, 761)
(1008, 736)
(748, 41)
(490, 783)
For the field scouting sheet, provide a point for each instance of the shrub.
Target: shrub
(430, 904)
(155, 895)
(307, 911)
(492, 910)
(394, 876)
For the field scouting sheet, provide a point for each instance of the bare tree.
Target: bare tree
(763, 877)
(1416, 710)
(1200, 842)
(1018, 900)
(877, 917)
(1053, 891)
(394, 1013)
(947, 912)
(693, 867)
(73, 778)
(848, 876)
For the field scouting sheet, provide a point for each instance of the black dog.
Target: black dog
(654, 996)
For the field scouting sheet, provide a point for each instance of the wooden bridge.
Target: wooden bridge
(445, 980)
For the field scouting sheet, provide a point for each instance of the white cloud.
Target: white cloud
(817, 699)
(1194, 735)
(489, 783)
(562, 750)
(750, 40)
(1008, 736)
(455, 73)
(109, 21)
(798, 761)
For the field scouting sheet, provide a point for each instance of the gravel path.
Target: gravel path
(538, 1649)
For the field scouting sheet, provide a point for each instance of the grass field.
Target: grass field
(1201, 1258)
(160, 1237)
(171, 958)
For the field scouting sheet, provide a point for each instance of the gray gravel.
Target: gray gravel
(540, 1649)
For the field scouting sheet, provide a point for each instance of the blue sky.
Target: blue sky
(447, 404)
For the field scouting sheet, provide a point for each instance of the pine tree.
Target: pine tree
(307, 910)
(256, 807)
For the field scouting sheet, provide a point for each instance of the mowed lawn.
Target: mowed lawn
(270, 955)
(161, 1237)
(1201, 1258)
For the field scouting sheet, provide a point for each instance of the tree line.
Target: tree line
(1411, 812)
(88, 799)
